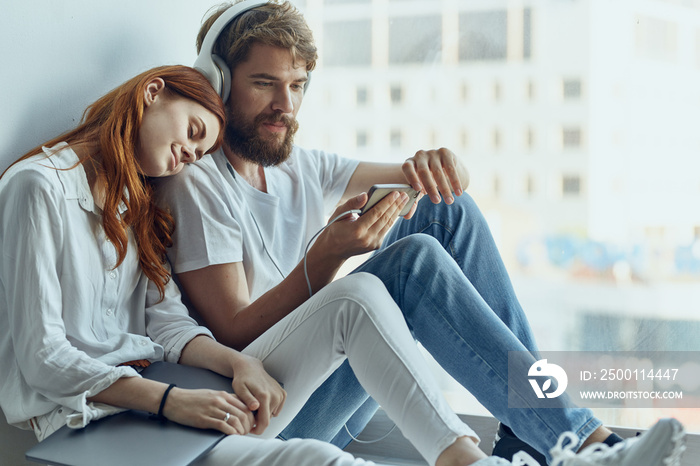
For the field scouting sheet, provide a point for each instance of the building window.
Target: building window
(464, 138)
(530, 185)
(361, 138)
(415, 39)
(527, 33)
(483, 35)
(497, 139)
(571, 137)
(496, 186)
(362, 95)
(396, 94)
(571, 88)
(395, 138)
(571, 185)
(347, 43)
(530, 138)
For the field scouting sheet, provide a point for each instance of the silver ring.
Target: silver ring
(226, 418)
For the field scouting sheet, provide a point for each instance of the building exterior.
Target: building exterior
(575, 117)
(577, 120)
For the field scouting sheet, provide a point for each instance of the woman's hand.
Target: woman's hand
(208, 409)
(257, 390)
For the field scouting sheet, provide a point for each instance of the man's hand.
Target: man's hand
(353, 236)
(260, 392)
(435, 173)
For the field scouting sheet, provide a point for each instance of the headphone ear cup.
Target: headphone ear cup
(205, 65)
(225, 75)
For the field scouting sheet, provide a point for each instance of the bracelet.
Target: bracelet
(160, 416)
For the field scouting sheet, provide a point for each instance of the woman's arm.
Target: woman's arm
(204, 409)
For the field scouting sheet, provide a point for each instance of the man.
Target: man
(246, 214)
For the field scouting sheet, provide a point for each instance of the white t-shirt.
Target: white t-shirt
(221, 219)
(67, 316)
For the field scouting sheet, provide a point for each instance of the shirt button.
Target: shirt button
(113, 274)
(142, 343)
(109, 312)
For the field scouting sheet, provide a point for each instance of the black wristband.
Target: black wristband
(162, 402)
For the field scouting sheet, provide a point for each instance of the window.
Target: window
(464, 138)
(347, 43)
(571, 137)
(464, 92)
(571, 88)
(483, 35)
(361, 139)
(496, 139)
(395, 138)
(361, 95)
(529, 138)
(415, 39)
(530, 185)
(571, 185)
(396, 94)
(527, 33)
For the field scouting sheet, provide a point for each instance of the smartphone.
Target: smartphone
(379, 191)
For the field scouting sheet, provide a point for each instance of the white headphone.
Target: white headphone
(212, 66)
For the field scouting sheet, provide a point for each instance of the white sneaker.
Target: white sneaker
(662, 445)
(519, 459)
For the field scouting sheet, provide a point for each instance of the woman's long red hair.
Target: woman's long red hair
(113, 122)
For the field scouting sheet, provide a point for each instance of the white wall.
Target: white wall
(59, 56)
(56, 57)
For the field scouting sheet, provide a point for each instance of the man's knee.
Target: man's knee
(415, 249)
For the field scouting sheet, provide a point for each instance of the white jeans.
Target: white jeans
(354, 317)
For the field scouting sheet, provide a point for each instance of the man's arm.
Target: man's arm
(433, 172)
(220, 292)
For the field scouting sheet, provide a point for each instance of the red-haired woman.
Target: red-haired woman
(84, 286)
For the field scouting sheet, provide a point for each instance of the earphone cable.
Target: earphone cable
(308, 281)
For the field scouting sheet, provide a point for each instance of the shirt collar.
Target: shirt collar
(73, 177)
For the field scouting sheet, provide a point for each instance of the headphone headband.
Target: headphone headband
(212, 66)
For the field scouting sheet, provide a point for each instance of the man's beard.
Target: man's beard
(243, 139)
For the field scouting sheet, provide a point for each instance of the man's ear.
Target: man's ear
(152, 89)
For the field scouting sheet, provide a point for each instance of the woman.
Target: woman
(86, 298)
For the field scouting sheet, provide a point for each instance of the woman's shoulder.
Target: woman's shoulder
(39, 173)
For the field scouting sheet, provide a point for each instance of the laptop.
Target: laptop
(133, 437)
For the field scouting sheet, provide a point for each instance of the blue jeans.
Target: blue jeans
(444, 271)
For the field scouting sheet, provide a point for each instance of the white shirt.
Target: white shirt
(220, 218)
(67, 316)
